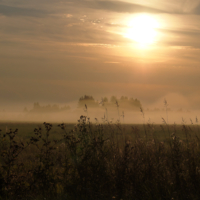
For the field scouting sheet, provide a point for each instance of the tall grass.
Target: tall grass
(101, 161)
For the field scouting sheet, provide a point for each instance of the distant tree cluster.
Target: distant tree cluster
(48, 108)
(123, 102)
(89, 100)
(129, 102)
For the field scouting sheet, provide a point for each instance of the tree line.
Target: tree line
(124, 102)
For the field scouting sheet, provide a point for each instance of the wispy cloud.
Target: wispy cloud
(196, 10)
(19, 11)
(181, 37)
(120, 6)
(115, 25)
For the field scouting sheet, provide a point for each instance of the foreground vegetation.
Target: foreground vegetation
(101, 161)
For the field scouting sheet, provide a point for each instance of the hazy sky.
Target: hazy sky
(56, 51)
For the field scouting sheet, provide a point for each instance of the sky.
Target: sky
(57, 51)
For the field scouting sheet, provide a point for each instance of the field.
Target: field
(161, 132)
(99, 161)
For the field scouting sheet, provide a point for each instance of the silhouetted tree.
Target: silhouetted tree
(87, 100)
(113, 99)
(105, 99)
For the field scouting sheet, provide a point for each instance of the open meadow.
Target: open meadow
(99, 161)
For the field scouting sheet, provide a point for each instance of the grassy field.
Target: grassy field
(99, 161)
(149, 131)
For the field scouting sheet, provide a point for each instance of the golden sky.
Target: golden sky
(57, 51)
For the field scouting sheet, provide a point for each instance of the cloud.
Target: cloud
(192, 34)
(181, 7)
(68, 15)
(184, 37)
(196, 11)
(19, 11)
(120, 6)
(115, 25)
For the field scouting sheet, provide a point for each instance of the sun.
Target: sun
(142, 29)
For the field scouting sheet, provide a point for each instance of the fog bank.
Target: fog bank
(103, 115)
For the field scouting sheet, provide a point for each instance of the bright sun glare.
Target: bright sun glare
(142, 29)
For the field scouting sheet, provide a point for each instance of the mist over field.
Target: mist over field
(129, 117)
(127, 111)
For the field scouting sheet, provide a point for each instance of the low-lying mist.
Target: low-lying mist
(124, 110)
(102, 115)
